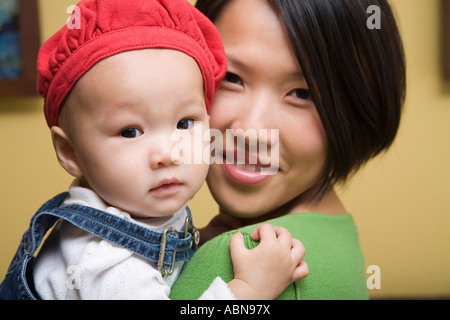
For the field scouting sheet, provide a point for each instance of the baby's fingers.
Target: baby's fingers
(300, 272)
(264, 232)
(297, 251)
(267, 233)
(284, 237)
(237, 246)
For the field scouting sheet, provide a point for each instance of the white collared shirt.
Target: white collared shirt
(74, 264)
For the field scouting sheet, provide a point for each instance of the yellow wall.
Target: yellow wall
(400, 201)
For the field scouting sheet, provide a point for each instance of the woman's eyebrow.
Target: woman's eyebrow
(236, 62)
(296, 74)
(291, 74)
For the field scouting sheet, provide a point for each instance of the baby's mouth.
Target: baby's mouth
(166, 186)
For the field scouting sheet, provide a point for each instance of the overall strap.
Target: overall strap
(163, 248)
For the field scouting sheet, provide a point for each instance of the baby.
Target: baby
(115, 91)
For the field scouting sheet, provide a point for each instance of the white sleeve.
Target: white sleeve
(218, 290)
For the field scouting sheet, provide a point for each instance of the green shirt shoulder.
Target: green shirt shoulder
(333, 254)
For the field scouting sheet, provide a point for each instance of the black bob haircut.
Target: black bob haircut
(356, 75)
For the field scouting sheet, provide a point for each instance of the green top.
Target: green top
(333, 255)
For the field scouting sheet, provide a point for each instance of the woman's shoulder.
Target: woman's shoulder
(307, 227)
(333, 255)
(211, 260)
(303, 221)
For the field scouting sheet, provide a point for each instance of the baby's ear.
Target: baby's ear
(65, 152)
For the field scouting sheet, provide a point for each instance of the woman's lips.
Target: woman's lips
(255, 171)
(246, 175)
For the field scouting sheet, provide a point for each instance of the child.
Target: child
(115, 90)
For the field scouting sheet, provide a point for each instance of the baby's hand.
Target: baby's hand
(265, 271)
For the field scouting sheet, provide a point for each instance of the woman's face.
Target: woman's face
(264, 90)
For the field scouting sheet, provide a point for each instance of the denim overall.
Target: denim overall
(163, 249)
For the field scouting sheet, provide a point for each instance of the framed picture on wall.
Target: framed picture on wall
(446, 34)
(19, 46)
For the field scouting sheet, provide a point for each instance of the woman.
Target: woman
(335, 89)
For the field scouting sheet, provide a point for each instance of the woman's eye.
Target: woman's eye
(131, 133)
(185, 124)
(232, 78)
(303, 94)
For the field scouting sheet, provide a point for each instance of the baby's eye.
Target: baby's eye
(131, 133)
(185, 124)
(303, 94)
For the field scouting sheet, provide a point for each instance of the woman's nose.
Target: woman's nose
(256, 110)
(256, 116)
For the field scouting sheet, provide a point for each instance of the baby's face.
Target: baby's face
(129, 107)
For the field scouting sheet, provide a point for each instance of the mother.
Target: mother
(334, 87)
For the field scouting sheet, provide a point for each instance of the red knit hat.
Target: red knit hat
(109, 27)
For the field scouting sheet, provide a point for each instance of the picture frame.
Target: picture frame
(446, 38)
(26, 20)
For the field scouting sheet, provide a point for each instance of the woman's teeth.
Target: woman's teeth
(249, 167)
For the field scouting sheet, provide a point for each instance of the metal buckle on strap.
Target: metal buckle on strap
(162, 251)
(189, 227)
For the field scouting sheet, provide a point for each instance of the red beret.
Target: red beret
(109, 27)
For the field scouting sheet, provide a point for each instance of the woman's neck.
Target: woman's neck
(224, 221)
(328, 204)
